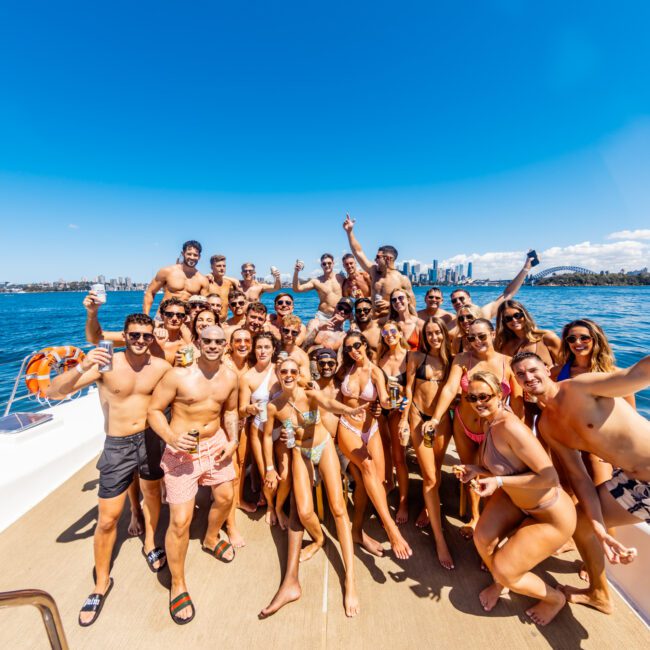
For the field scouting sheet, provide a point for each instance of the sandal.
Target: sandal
(156, 555)
(220, 549)
(94, 603)
(180, 602)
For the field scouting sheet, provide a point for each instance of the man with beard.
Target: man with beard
(283, 307)
(366, 324)
(383, 274)
(328, 286)
(357, 282)
(125, 393)
(220, 283)
(254, 289)
(589, 413)
(432, 301)
(201, 439)
(180, 280)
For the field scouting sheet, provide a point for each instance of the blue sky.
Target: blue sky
(464, 131)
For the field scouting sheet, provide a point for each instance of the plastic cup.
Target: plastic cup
(100, 291)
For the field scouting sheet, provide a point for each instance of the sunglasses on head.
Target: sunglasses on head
(583, 338)
(465, 317)
(354, 346)
(327, 364)
(398, 299)
(289, 371)
(287, 331)
(286, 303)
(481, 337)
(519, 315)
(237, 303)
(206, 341)
(174, 314)
(472, 398)
(147, 337)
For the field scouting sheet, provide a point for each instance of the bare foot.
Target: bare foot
(402, 515)
(400, 546)
(467, 531)
(371, 545)
(309, 551)
(288, 592)
(545, 611)
(177, 590)
(283, 520)
(247, 507)
(599, 601)
(582, 574)
(569, 545)
(489, 597)
(423, 519)
(444, 555)
(136, 525)
(351, 600)
(235, 537)
(270, 517)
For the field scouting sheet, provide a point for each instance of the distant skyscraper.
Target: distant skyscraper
(469, 270)
(415, 269)
(101, 278)
(405, 268)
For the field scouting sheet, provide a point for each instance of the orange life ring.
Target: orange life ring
(39, 367)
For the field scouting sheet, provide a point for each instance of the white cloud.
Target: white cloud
(73, 226)
(630, 234)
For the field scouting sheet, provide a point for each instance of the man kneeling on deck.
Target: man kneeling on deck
(203, 397)
(126, 382)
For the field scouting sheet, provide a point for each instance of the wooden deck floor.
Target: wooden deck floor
(404, 604)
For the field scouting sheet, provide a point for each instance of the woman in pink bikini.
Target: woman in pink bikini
(525, 497)
(468, 431)
(364, 383)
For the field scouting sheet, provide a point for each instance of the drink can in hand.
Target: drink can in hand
(274, 270)
(263, 411)
(427, 438)
(100, 292)
(187, 355)
(393, 392)
(108, 346)
(195, 434)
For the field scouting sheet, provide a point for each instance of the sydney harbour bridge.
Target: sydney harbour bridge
(556, 269)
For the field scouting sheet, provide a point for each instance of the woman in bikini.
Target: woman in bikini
(297, 412)
(467, 429)
(426, 374)
(256, 388)
(403, 313)
(393, 357)
(524, 496)
(363, 383)
(464, 318)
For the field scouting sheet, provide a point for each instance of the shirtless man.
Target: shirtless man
(366, 324)
(124, 393)
(215, 301)
(237, 303)
(383, 274)
(589, 413)
(180, 280)
(220, 283)
(254, 289)
(289, 332)
(203, 398)
(329, 333)
(357, 282)
(256, 315)
(283, 307)
(328, 286)
(168, 339)
(432, 301)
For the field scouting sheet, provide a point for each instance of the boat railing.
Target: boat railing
(46, 605)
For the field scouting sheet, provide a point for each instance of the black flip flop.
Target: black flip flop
(155, 555)
(180, 602)
(94, 603)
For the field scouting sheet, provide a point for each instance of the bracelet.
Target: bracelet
(499, 481)
(270, 468)
(79, 369)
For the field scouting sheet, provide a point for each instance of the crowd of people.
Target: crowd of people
(214, 389)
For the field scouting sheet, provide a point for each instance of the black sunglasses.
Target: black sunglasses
(237, 303)
(472, 398)
(345, 309)
(458, 299)
(363, 310)
(465, 317)
(174, 314)
(583, 338)
(136, 336)
(288, 331)
(284, 302)
(398, 299)
(355, 346)
(519, 315)
(327, 364)
(472, 337)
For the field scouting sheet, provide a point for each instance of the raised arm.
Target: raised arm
(73, 380)
(621, 383)
(296, 285)
(93, 328)
(154, 287)
(355, 246)
(490, 310)
(277, 283)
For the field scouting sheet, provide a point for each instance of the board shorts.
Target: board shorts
(631, 494)
(123, 455)
(185, 472)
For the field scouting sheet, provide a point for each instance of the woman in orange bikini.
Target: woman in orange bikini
(525, 497)
(404, 314)
(468, 432)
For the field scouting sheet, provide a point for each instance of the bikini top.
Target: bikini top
(465, 379)
(494, 461)
(565, 373)
(421, 372)
(310, 418)
(368, 394)
(261, 393)
(414, 342)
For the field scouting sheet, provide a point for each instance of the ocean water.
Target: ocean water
(33, 321)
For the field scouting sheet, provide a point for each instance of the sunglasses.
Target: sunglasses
(285, 303)
(363, 310)
(472, 398)
(472, 337)
(174, 314)
(433, 296)
(516, 316)
(390, 332)
(216, 341)
(247, 271)
(327, 364)
(344, 309)
(289, 371)
(583, 338)
(239, 341)
(136, 336)
(398, 299)
(237, 303)
(287, 331)
(455, 300)
(326, 263)
(354, 346)
(465, 317)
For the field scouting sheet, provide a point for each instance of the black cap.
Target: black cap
(325, 353)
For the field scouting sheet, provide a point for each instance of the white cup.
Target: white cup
(100, 291)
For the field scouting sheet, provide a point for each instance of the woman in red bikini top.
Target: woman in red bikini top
(468, 430)
(404, 314)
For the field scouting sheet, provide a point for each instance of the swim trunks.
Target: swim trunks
(185, 472)
(630, 493)
(123, 455)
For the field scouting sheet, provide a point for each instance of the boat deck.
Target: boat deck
(404, 604)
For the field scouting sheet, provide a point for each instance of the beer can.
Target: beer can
(300, 264)
(393, 392)
(427, 439)
(274, 270)
(108, 346)
(195, 434)
(100, 291)
(187, 355)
